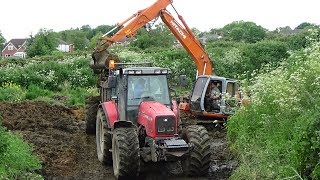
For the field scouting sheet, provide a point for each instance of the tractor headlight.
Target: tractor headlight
(157, 71)
(165, 71)
(161, 129)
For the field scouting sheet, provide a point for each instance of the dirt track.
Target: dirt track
(58, 135)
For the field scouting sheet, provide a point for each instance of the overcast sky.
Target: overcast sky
(20, 18)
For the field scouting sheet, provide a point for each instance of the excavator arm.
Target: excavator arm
(129, 27)
(189, 42)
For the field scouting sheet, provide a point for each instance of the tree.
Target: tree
(93, 41)
(241, 31)
(2, 41)
(75, 36)
(304, 25)
(160, 37)
(100, 29)
(43, 43)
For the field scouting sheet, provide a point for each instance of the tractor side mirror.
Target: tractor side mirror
(183, 81)
(112, 80)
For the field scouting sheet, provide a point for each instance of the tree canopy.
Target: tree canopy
(160, 37)
(242, 31)
(2, 41)
(43, 43)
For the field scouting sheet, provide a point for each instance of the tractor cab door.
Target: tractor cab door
(198, 94)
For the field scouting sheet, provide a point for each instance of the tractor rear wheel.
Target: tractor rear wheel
(125, 153)
(198, 161)
(103, 139)
(90, 113)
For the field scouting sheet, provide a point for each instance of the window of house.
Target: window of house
(10, 47)
(7, 55)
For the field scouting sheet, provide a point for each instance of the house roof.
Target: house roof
(62, 42)
(17, 42)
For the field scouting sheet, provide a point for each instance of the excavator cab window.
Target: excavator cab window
(197, 96)
(233, 96)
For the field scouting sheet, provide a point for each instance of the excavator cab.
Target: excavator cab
(214, 96)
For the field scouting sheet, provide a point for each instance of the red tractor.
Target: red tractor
(138, 121)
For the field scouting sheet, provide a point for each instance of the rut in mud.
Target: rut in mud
(58, 135)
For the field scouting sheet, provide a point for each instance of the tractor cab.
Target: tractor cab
(139, 84)
(214, 96)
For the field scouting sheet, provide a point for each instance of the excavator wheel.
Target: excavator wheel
(92, 103)
(125, 153)
(198, 161)
(103, 139)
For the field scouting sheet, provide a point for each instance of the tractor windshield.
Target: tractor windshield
(148, 87)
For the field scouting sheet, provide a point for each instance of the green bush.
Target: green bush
(277, 135)
(16, 157)
(11, 92)
(34, 92)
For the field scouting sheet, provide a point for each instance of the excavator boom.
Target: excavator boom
(130, 26)
(189, 42)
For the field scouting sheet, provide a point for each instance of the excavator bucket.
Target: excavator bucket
(101, 57)
(100, 51)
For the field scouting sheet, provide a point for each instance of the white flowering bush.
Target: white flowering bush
(49, 74)
(277, 135)
(39, 77)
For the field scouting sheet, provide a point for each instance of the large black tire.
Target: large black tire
(91, 113)
(125, 153)
(103, 139)
(198, 161)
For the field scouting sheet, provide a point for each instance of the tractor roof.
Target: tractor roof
(146, 70)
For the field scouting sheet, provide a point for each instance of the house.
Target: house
(64, 46)
(14, 48)
(17, 48)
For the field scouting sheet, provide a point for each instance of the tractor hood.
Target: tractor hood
(157, 119)
(154, 108)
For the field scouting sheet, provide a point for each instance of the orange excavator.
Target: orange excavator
(199, 102)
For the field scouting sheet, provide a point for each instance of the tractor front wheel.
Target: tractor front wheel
(198, 161)
(125, 153)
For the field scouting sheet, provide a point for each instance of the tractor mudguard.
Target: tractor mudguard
(111, 112)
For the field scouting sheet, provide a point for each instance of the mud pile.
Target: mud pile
(58, 135)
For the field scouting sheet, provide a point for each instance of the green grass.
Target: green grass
(17, 159)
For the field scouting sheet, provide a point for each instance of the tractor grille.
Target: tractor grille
(165, 125)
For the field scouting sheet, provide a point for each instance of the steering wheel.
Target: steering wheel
(147, 96)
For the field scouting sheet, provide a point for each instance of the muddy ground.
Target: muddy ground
(58, 135)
